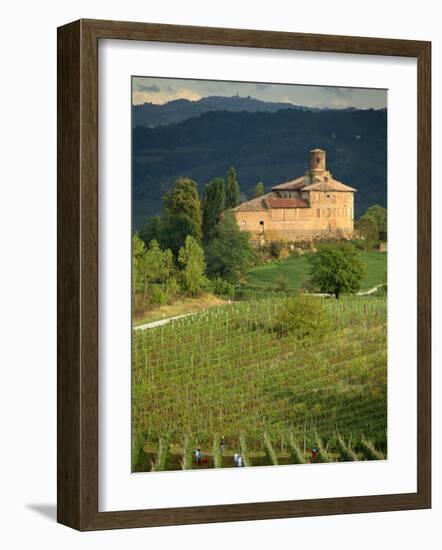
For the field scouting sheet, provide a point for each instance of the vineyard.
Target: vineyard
(273, 394)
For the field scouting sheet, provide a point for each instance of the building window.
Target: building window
(328, 212)
(318, 212)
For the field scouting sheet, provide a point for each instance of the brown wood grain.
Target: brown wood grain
(424, 273)
(68, 276)
(77, 226)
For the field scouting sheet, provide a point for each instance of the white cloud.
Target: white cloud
(286, 99)
(161, 90)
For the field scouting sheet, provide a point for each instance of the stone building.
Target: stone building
(309, 207)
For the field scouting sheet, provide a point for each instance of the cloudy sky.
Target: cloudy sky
(162, 90)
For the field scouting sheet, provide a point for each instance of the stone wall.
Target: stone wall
(330, 215)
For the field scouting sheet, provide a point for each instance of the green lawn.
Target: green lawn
(293, 271)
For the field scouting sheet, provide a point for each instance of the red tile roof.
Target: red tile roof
(286, 203)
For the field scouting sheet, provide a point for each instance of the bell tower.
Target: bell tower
(317, 162)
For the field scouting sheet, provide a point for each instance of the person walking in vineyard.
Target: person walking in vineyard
(240, 461)
(235, 458)
(222, 445)
(199, 457)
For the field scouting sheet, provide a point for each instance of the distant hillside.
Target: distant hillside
(152, 115)
(262, 146)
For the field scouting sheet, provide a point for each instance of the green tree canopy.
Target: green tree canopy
(372, 226)
(213, 206)
(367, 228)
(150, 266)
(258, 190)
(336, 269)
(232, 189)
(183, 199)
(229, 254)
(158, 264)
(191, 260)
(303, 315)
(153, 229)
(379, 215)
(175, 230)
(138, 255)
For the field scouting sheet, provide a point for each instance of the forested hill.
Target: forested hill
(178, 110)
(262, 146)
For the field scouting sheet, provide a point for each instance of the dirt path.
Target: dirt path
(371, 291)
(161, 322)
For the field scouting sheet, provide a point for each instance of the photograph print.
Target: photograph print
(259, 274)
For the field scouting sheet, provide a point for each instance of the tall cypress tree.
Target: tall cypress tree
(232, 189)
(213, 206)
(182, 215)
(258, 190)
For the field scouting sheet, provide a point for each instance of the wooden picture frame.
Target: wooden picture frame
(77, 461)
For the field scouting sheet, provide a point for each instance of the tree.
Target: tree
(158, 271)
(138, 255)
(158, 264)
(379, 215)
(303, 315)
(336, 269)
(232, 189)
(213, 206)
(368, 229)
(229, 254)
(183, 199)
(152, 268)
(182, 217)
(175, 230)
(153, 229)
(258, 190)
(191, 259)
(372, 226)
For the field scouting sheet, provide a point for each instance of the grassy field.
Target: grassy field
(183, 306)
(272, 395)
(293, 272)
